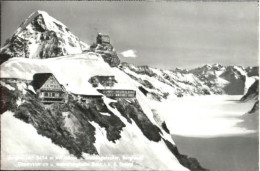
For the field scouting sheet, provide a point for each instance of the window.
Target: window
(45, 94)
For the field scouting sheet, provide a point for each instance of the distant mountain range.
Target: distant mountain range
(205, 80)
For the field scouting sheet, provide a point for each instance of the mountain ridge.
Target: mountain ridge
(205, 80)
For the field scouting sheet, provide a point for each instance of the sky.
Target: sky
(159, 34)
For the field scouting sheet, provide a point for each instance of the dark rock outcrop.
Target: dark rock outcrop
(252, 93)
(4, 57)
(132, 110)
(255, 108)
(143, 90)
(8, 99)
(50, 46)
(189, 162)
(252, 71)
(165, 128)
(17, 48)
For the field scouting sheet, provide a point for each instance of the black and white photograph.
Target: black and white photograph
(130, 85)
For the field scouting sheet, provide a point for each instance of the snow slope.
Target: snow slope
(20, 141)
(21, 145)
(73, 72)
(149, 155)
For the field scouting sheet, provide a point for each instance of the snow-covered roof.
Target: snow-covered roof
(39, 79)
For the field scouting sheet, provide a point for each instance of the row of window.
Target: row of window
(125, 95)
(52, 100)
(52, 86)
(119, 95)
(119, 91)
(51, 94)
(108, 84)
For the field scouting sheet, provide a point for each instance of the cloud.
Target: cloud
(129, 53)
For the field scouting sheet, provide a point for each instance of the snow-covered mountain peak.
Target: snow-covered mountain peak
(44, 21)
(42, 36)
(41, 14)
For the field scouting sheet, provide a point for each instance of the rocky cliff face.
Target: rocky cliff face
(252, 71)
(252, 93)
(255, 108)
(250, 120)
(41, 36)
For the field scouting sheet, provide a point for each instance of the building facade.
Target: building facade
(116, 93)
(85, 98)
(48, 89)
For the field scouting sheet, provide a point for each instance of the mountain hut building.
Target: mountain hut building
(48, 88)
